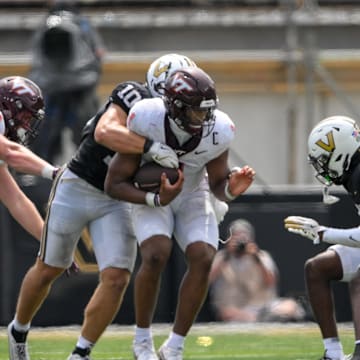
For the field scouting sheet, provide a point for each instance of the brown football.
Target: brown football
(148, 176)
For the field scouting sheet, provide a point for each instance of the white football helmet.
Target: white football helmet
(162, 68)
(331, 146)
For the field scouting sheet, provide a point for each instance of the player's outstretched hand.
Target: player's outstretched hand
(163, 155)
(168, 191)
(306, 227)
(240, 179)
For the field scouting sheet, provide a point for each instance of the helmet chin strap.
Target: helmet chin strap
(327, 198)
(181, 134)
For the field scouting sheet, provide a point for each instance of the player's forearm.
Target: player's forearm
(23, 160)
(347, 237)
(119, 179)
(125, 191)
(119, 138)
(32, 221)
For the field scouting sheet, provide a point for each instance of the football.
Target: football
(148, 176)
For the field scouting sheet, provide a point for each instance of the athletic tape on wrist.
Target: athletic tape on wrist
(48, 171)
(227, 192)
(152, 199)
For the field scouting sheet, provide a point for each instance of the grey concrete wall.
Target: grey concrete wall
(262, 136)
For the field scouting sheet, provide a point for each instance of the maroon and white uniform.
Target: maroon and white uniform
(190, 216)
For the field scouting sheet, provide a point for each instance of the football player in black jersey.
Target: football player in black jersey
(77, 201)
(333, 151)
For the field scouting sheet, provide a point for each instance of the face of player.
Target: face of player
(196, 118)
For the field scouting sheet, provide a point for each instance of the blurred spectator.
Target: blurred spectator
(244, 280)
(67, 57)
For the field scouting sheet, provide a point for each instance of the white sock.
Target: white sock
(20, 327)
(333, 348)
(84, 343)
(175, 341)
(142, 334)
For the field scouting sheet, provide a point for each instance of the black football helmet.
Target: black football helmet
(190, 98)
(22, 105)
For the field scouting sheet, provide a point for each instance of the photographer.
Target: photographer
(67, 54)
(244, 280)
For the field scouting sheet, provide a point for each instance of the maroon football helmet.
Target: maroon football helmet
(190, 98)
(22, 106)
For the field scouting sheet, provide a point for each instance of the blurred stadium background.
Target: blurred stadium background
(280, 67)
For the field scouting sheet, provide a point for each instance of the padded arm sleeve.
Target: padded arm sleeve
(347, 237)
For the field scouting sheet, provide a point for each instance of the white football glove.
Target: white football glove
(163, 154)
(305, 227)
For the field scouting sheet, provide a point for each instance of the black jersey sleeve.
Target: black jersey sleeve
(127, 93)
(353, 185)
(91, 159)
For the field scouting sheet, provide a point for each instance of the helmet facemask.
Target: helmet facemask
(323, 174)
(24, 126)
(195, 120)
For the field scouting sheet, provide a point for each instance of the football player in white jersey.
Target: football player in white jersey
(78, 200)
(334, 152)
(21, 113)
(186, 119)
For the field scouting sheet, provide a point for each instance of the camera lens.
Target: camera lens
(240, 247)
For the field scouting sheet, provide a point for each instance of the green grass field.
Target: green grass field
(205, 342)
